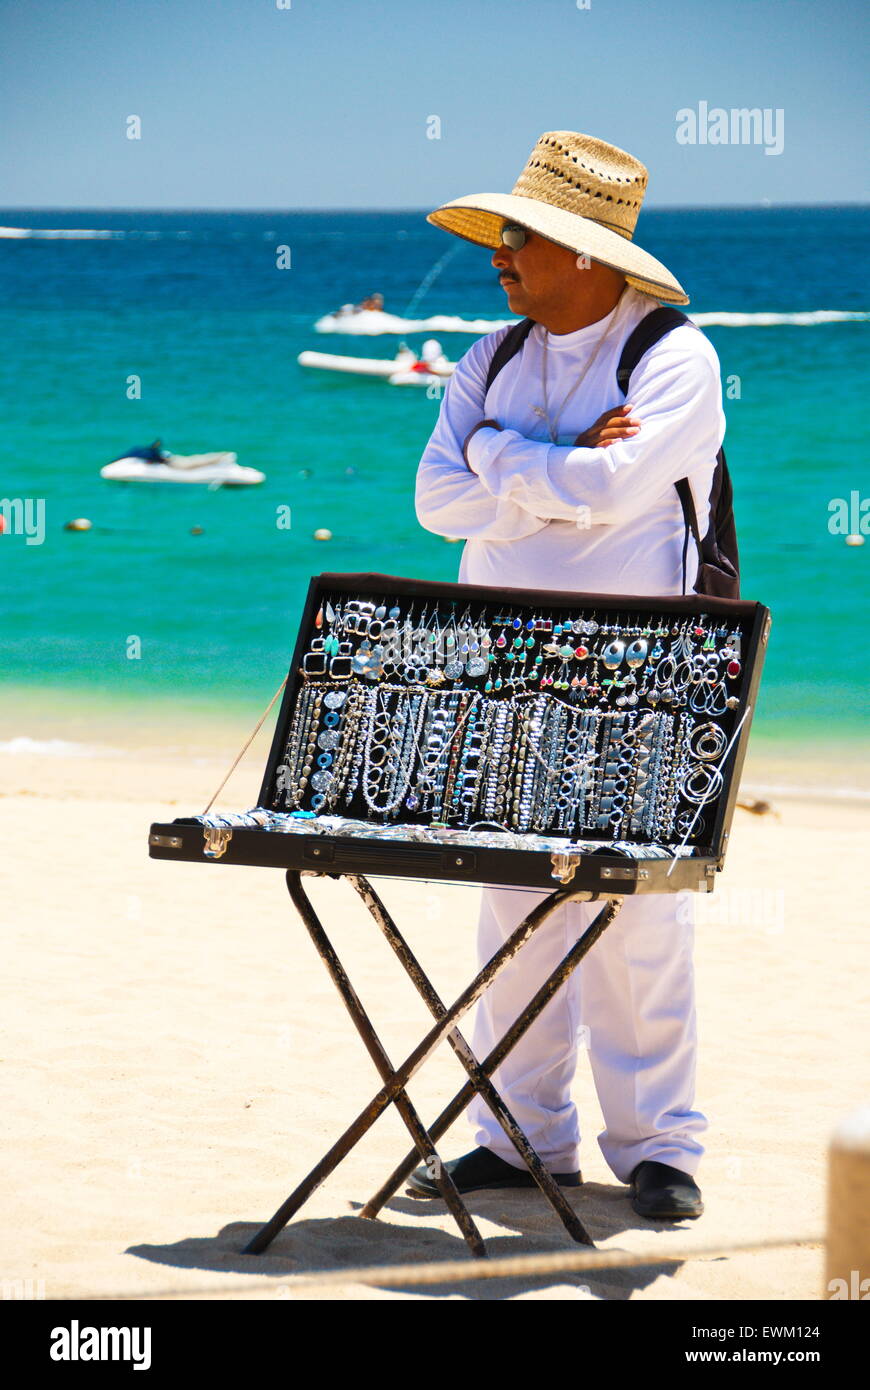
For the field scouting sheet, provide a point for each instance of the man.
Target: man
(558, 483)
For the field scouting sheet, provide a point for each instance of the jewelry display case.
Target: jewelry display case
(505, 736)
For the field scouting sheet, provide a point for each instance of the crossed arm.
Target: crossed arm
(478, 479)
(450, 499)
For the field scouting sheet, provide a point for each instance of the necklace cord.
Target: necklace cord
(552, 426)
(246, 746)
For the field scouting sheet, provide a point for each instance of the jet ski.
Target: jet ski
(152, 463)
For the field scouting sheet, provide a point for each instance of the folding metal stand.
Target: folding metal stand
(395, 1079)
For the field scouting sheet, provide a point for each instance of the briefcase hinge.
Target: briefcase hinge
(216, 838)
(564, 865)
(166, 841)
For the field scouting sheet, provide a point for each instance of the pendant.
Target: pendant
(361, 659)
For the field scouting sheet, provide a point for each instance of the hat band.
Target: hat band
(600, 221)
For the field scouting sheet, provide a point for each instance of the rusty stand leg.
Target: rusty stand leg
(377, 1052)
(482, 1084)
(501, 1049)
(402, 1075)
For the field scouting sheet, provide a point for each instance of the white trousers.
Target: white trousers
(630, 1001)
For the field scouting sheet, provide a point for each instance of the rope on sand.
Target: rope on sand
(464, 1271)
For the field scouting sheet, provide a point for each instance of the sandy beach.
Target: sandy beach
(176, 1058)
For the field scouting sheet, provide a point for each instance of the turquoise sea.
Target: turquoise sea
(193, 304)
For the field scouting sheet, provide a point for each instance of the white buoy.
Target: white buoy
(847, 1266)
(854, 539)
(80, 523)
(323, 534)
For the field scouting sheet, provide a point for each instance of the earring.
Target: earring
(613, 654)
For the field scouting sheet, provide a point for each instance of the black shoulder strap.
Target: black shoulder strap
(508, 347)
(645, 336)
(690, 517)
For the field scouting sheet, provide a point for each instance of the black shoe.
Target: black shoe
(479, 1169)
(662, 1192)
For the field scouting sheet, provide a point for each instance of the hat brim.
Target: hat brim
(479, 218)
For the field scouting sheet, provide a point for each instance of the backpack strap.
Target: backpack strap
(690, 517)
(509, 346)
(647, 333)
(645, 336)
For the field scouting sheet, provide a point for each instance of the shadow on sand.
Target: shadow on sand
(348, 1242)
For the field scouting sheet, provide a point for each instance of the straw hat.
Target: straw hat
(582, 194)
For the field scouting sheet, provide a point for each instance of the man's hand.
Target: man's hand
(613, 425)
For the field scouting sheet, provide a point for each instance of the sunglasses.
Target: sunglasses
(513, 236)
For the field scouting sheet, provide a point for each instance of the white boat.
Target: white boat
(358, 366)
(160, 466)
(405, 369)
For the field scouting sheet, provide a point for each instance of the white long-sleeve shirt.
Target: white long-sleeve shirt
(551, 516)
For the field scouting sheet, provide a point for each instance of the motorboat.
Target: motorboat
(405, 369)
(359, 366)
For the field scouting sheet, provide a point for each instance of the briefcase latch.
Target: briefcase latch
(216, 838)
(564, 865)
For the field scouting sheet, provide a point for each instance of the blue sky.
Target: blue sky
(325, 104)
